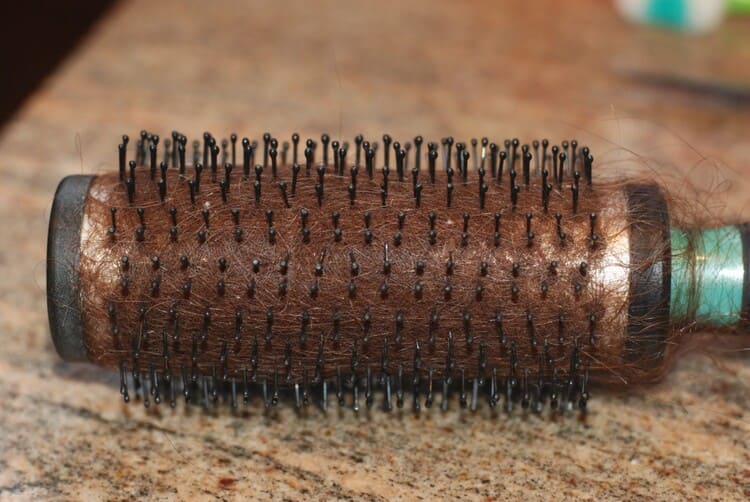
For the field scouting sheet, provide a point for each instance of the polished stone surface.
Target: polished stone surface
(523, 68)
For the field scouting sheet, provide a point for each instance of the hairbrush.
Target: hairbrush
(433, 269)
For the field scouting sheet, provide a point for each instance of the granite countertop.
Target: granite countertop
(523, 68)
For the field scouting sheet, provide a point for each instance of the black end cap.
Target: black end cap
(650, 275)
(63, 281)
(745, 233)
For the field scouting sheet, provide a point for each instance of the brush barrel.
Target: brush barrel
(531, 304)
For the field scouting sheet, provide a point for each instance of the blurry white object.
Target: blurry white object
(688, 15)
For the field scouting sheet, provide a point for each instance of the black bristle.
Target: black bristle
(266, 147)
(399, 326)
(214, 158)
(588, 161)
(227, 175)
(197, 177)
(432, 157)
(514, 189)
(181, 154)
(503, 155)
(493, 159)
(514, 152)
(573, 155)
(475, 153)
(152, 150)
(273, 153)
(369, 160)
(565, 147)
(387, 149)
(400, 154)
(295, 148)
(122, 152)
(358, 139)
(448, 145)
(257, 191)
(246, 154)
(324, 140)
(555, 172)
(561, 171)
(526, 158)
(342, 159)
(223, 186)
(465, 165)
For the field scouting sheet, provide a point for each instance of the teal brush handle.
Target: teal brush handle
(710, 282)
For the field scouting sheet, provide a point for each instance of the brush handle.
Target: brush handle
(710, 284)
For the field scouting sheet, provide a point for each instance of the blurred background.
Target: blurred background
(658, 86)
(37, 37)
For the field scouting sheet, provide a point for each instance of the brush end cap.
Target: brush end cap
(63, 253)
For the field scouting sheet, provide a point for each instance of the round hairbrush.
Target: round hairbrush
(433, 269)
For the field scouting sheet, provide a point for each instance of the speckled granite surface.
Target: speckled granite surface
(426, 68)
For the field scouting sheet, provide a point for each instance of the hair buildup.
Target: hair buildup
(505, 273)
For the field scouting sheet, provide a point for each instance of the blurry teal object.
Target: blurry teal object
(683, 15)
(668, 12)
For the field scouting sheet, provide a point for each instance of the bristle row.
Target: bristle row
(564, 162)
(561, 393)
